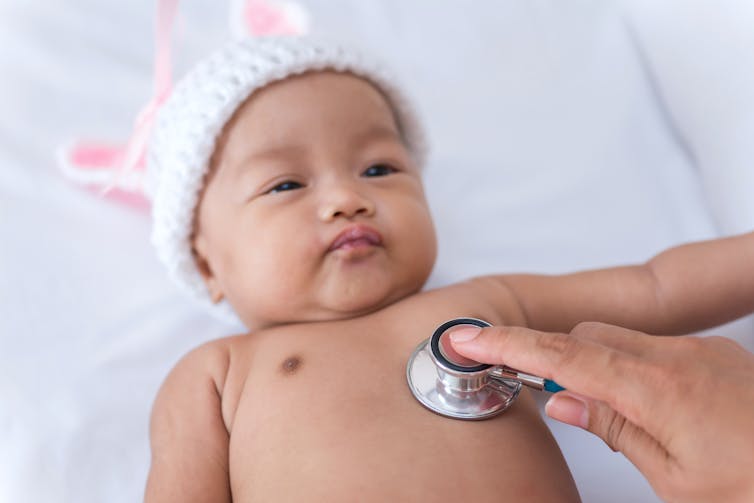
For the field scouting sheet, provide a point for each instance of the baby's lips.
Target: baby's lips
(356, 233)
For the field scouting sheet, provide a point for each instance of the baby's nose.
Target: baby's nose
(346, 202)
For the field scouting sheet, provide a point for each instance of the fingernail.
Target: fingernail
(464, 334)
(568, 409)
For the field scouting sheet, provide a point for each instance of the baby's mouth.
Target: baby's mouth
(355, 237)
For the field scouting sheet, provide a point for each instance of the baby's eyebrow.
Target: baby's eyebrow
(377, 132)
(271, 154)
(294, 151)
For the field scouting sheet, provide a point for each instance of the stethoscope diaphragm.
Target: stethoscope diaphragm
(452, 386)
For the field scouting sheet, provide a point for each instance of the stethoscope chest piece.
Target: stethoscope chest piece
(452, 386)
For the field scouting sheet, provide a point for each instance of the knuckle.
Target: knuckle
(720, 342)
(615, 432)
(694, 346)
(611, 428)
(620, 363)
(586, 328)
(565, 347)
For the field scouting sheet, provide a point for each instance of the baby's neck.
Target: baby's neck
(328, 316)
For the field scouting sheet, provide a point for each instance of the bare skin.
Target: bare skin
(313, 403)
(314, 226)
(321, 411)
(686, 427)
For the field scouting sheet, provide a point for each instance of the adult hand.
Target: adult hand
(680, 408)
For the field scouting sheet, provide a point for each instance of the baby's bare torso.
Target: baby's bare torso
(322, 412)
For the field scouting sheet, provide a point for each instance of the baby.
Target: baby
(287, 190)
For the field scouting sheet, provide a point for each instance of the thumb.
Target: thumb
(621, 435)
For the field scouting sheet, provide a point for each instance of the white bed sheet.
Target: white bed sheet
(565, 135)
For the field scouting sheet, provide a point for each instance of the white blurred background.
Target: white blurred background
(565, 134)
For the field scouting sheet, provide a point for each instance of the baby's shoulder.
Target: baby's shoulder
(209, 362)
(198, 378)
(212, 357)
(480, 297)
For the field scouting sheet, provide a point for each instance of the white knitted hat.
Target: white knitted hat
(191, 120)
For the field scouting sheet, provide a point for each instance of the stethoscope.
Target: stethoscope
(453, 386)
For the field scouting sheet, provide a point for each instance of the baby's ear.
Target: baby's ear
(205, 269)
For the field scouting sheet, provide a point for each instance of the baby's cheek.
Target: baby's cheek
(278, 277)
(425, 238)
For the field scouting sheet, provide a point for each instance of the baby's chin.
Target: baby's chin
(370, 301)
(364, 308)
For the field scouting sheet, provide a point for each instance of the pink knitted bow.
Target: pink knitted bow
(117, 171)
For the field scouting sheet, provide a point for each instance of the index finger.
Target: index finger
(628, 383)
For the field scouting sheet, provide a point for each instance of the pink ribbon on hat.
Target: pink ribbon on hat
(261, 18)
(117, 171)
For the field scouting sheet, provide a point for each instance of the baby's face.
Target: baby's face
(315, 209)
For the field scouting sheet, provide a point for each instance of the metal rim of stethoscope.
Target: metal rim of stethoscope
(457, 391)
(436, 348)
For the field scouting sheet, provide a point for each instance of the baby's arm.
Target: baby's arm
(682, 290)
(188, 435)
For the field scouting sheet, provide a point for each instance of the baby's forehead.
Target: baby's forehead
(288, 112)
(319, 91)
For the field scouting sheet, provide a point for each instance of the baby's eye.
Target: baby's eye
(282, 187)
(379, 170)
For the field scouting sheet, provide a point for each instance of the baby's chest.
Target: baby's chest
(310, 408)
(331, 377)
(321, 405)
(343, 371)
